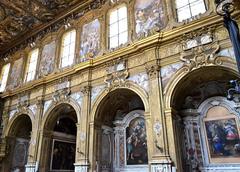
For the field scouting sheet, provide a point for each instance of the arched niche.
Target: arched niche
(58, 147)
(18, 142)
(114, 146)
(186, 99)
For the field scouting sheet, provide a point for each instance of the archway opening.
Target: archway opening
(59, 141)
(189, 123)
(120, 135)
(18, 141)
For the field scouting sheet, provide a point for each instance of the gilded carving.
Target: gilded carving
(117, 75)
(202, 55)
(152, 71)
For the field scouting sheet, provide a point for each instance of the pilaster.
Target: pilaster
(82, 154)
(33, 159)
(160, 159)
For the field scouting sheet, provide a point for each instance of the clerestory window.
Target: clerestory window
(187, 9)
(118, 27)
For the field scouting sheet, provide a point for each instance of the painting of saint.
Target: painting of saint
(136, 142)
(90, 40)
(63, 155)
(149, 15)
(15, 77)
(223, 138)
(47, 59)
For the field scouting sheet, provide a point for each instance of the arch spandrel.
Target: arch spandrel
(48, 114)
(131, 87)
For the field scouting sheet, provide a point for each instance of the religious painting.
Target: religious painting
(47, 59)
(90, 40)
(136, 142)
(149, 15)
(223, 138)
(63, 155)
(15, 77)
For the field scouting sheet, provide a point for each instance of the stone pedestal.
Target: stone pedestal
(81, 167)
(31, 167)
(163, 166)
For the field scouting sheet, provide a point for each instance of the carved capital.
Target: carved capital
(86, 90)
(153, 71)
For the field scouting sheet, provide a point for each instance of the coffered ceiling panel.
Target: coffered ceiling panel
(21, 17)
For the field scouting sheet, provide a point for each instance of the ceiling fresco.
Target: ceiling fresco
(18, 17)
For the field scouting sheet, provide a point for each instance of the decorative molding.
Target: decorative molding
(62, 90)
(200, 48)
(117, 74)
(23, 102)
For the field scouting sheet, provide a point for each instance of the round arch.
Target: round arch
(132, 87)
(182, 76)
(53, 106)
(12, 121)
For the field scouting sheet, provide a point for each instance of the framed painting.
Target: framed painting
(63, 155)
(222, 136)
(136, 143)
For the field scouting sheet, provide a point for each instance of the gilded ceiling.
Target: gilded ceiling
(18, 17)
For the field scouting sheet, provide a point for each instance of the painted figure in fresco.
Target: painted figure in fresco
(47, 60)
(90, 40)
(149, 15)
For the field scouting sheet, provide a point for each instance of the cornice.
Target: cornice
(134, 48)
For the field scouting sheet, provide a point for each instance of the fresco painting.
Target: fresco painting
(136, 142)
(168, 71)
(90, 40)
(149, 15)
(47, 59)
(15, 77)
(223, 138)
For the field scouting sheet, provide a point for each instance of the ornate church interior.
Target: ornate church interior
(117, 86)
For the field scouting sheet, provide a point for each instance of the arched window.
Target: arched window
(31, 65)
(118, 27)
(68, 49)
(4, 77)
(187, 9)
